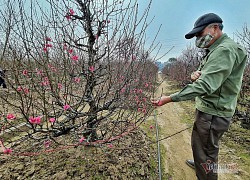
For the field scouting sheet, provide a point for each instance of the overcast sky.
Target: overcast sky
(178, 16)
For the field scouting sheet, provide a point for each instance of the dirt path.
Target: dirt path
(178, 147)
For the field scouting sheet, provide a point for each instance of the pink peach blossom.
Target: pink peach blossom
(65, 47)
(48, 39)
(39, 72)
(25, 72)
(48, 45)
(110, 145)
(44, 83)
(60, 86)
(52, 120)
(139, 90)
(26, 90)
(82, 139)
(66, 107)
(47, 143)
(7, 151)
(70, 51)
(92, 68)
(74, 58)
(123, 90)
(68, 17)
(71, 12)
(11, 116)
(35, 120)
(19, 88)
(77, 79)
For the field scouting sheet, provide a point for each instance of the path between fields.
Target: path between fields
(178, 147)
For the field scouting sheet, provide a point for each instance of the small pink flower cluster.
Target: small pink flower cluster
(47, 45)
(110, 145)
(25, 72)
(77, 79)
(25, 90)
(144, 110)
(59, 85)
(82, 139)
(121, 79)
(48, 39)
(52, 68)
(11, 116)
(69, 14)
(70, 51)
(52, 120)
(105, 21)
(47, 143)
(123, 89)
(66, 107)
(92, 69)
(75, 58)
(39, 72)
(7, 151)
(35, 120)
(45, 81)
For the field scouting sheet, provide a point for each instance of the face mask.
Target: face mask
(203, 41)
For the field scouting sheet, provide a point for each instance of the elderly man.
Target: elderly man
(216, 85)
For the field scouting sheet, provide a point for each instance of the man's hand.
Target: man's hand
(195, 75)
(161, 101)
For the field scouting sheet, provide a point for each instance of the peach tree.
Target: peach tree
(74, 68)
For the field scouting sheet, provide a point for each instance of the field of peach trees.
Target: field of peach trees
(76, 68)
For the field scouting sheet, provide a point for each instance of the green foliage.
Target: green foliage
(172, 59)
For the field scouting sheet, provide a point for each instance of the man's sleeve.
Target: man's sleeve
(216, 70)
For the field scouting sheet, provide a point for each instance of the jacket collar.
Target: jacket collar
(217, 42)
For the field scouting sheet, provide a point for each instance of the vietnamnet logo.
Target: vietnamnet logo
(210, 166)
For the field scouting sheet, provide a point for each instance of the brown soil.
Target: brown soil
(130, 157)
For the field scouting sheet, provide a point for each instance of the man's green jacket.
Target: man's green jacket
(217, 88)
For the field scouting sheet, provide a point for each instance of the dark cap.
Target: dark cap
(202, 22)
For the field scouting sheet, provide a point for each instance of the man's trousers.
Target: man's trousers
(207, 131)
